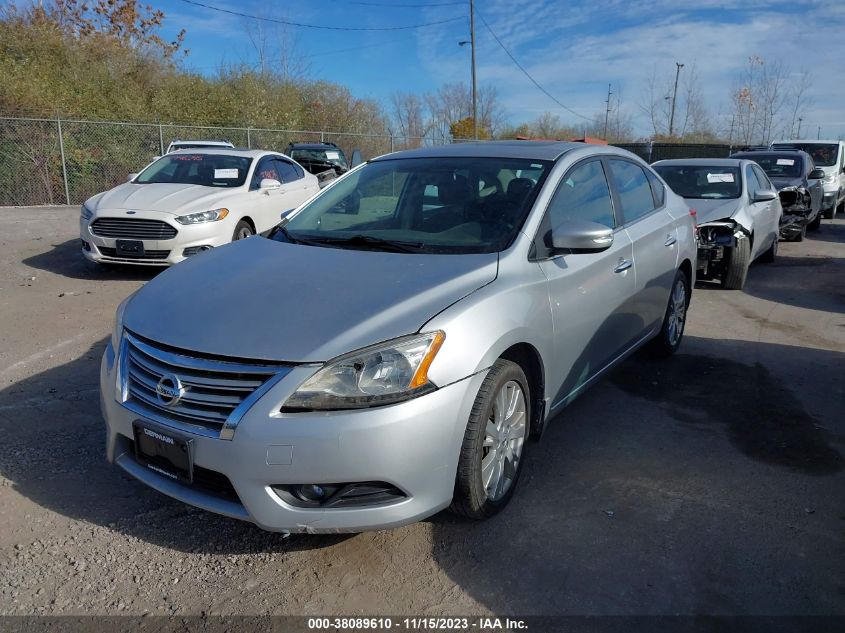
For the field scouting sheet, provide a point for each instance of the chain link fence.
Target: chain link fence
(62, 161)
(651, 152)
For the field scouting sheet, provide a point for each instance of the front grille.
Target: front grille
(112, 252)
(133, 229)
(217, 392)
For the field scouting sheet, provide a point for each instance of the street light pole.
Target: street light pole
(800, 119)
(674, 97)
(474, 92)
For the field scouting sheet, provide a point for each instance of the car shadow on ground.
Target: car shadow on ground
(66, 259)
(685, 486)
(829, 231)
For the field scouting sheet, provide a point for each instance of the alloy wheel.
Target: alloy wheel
(503, 440)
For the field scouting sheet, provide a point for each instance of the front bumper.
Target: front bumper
(414, 446)
(167, 252)
(830, 200)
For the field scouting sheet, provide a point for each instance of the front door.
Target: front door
(589, 293)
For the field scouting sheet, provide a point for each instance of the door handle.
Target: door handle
(670, 240)
(623, 265)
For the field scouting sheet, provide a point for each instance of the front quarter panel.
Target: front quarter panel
(511, 310)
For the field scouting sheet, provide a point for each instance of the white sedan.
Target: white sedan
(191, 201)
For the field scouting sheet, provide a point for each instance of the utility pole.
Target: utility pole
(474, 92)
(674, 98)
(819, 133)
(607, 111)
(800, 119)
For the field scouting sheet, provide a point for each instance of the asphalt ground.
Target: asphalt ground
(708, 484)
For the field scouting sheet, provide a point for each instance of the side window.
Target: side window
(633, 189)
(286, 170)
(583, 194)
(657, 188)
(752, 182)
(265, 169)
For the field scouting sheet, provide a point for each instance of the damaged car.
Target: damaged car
(738, 213)
(325, 160)
(799, 185)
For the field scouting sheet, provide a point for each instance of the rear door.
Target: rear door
(653, 236)
(589, 293)
(766, 214)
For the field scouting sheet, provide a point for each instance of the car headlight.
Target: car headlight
(203, 216)
(829, 179)
(382, 374)
(86, 213)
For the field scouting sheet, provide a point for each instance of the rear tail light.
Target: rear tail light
(694, 214)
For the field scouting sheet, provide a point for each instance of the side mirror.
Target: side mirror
(356, 158)
(132, 177)
(764, 195)
(580, 236)
(269, 184)
(284, 215)
(816, 174)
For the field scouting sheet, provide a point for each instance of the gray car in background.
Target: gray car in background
(737, 210)
(388, 351)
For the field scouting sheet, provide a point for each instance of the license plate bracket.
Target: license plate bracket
(163, 451)
(130, 248)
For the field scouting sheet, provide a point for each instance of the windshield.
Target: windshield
(433, 205)
(777, 165)
(823, 154)
(327, 156)
(209, 170)
(699, 181)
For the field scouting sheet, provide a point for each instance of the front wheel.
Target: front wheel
(814, 225)
(668, 340)
(243, 230)
(738, 262)
(495, 436)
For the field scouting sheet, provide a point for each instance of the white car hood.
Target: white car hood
(167, 197)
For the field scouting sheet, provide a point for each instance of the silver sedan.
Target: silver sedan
(389, 350)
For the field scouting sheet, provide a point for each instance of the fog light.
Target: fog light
(86, 246)
(311, 492)
(193, 250)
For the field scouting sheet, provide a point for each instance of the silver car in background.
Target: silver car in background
(737, 209)
(389, 350)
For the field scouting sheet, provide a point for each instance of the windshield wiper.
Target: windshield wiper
(374, 243)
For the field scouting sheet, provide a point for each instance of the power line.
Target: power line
(527, 74)
(410, 6)
(319, 26)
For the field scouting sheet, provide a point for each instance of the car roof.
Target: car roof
(531, 150)
(773, 152)
(313, 146)
(703, 162)
(227, 151)
(812, 141)
(215, 143)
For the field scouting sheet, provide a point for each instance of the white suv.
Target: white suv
(176, 145)
(191, 201)
(829, 156)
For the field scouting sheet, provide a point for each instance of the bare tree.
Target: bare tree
(408, 115)
(453, 102)
(692, 120)
(277, 51)
(798, 99)
(758, 100)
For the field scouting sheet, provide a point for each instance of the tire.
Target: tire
(481, 457)
(800, 237)
(243, 230)
(816, 223)
(831, 212)
(734, 276)
(771, 253)
(671, 333)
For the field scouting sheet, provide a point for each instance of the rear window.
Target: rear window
(778, 165)
(823, 154)
(701, 181)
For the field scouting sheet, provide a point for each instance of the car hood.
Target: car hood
(166, 197)
(262, 299)
(780, 183)
(709, 210)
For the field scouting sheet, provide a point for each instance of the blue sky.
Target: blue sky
(573, 48)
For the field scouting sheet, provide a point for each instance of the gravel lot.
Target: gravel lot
(709, 484)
